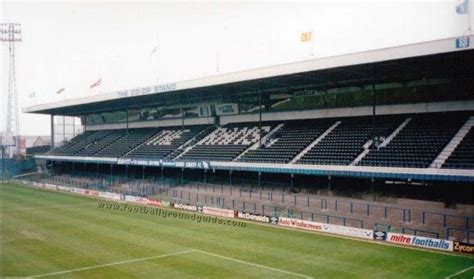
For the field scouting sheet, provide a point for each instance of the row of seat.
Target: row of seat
(347, 140)
(416, 145)
(227, 142)
(287, 142)
(419, 143)
(163, 143)
(463, 155)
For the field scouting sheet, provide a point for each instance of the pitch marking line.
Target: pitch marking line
(111, 264)
(254, 264)
(459, 272)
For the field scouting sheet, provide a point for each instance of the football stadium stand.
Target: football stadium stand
(382, 139)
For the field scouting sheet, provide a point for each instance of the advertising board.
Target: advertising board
(328, 228)
(110, 196)
(154, 202)
(218, 212)
(462, 247)
(420, 241)
(187, 207)
(253, 217)
(136, 199)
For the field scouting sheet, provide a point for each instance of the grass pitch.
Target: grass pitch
(54, 235)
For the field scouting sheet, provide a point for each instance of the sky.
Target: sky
(129, 44)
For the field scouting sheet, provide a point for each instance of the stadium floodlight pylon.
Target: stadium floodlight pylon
(10, 34)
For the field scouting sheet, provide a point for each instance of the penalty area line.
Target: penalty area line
(110, 264)
(459, 272)
(254, 264)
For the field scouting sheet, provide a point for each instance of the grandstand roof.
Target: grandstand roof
(401, 62)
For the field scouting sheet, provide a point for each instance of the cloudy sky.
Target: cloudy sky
(72, 44)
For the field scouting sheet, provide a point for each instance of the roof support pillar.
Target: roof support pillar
(182, 126)
(52, 131)
(374, 103)
(64, 128)
(126, 130)
(260, 118)
(85, 131)
(111, 174)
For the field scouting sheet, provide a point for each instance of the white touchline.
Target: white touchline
(254, 264)
(459, 272)
(111, 264)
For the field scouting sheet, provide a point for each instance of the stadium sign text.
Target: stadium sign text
(462, 247)
(419, 241)
(302, 224)
(139, 91)
(185, 207)
(157, 163)
(328, 228)
(253, 217)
